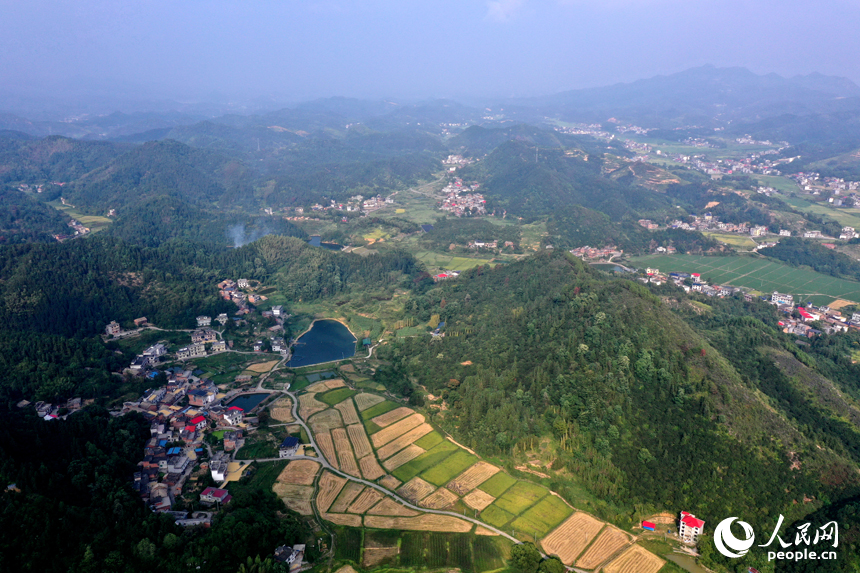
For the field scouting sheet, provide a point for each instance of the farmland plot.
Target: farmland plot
(299, 472)
(342, 519)
(390, 482)
(472, 478)
(390, 507)
(282, 410)
(416, 489)
(610, 541)
(389, 418)
(325, 421)
(635, 560)
(365, 401)
(323, 440)
(344, 452)
(428, 522)
(347, 410)
(368, 498)
(309, 405)
(478, 500)
(329, 486)
(346, 497)
(370, 468)
(296, 497)
(404, 440)
(405, 455)
(385, 435)
(571, 537)
(359, 440)
(442, 498)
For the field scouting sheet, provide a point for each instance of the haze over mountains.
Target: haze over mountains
(705, 96)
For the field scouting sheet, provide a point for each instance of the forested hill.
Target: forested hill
(529, 186)
(645, 410)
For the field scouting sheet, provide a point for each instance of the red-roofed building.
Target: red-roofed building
(215, 495)
(233, 415)
(690, 527)
(199, 422)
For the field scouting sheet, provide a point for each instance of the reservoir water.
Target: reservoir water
(247, 401)
(316, 241)
(327, 340)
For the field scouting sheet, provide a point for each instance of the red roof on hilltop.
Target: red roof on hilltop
(197, 420)
(691, 521)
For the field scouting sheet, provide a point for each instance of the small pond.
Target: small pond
(327, 340)
(609, 267)
(247, 401)
(316, 241)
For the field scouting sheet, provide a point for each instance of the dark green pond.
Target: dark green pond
(327, 340)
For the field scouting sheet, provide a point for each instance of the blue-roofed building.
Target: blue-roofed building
(162, 443)
(288, 447)
(174, 451)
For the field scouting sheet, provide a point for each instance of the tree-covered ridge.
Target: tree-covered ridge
(24, 219)
(514, 180)
(53, 158)
(630, 392)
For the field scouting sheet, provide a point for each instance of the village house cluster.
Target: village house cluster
(452, 162)
(461, 199)
(597, 253)
(839, 192)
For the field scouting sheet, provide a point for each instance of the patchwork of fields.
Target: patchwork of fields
(369, 437)
(760, 274)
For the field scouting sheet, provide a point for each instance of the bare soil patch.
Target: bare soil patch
(484, 531)
(282, 410)
(335, 383)
(373, 556)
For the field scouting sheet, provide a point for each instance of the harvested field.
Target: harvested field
(390, 507)
(401, 442)
(484, 531)
(478, 500)
(442, 498)
(610, 541)
(368, 498)
(390, 482)
(389, 418)
(346, 497)
(427, 522)
(296, 497)
(472, 478)
(345, 457)
(329, 486)
(347, 410)
(261, 367)
(571, 537)
(282, 410)
(335, 383)
(375, 555)
(347, 368)
(635, 560)
(403, 456)
(343, 519)
(300, 472)
(416, 489)
(370, 468)
(323, 440)
(365, 401)
(317, 387)
(325, 421)
(346, 569)
(359, 440)
(385, 435)
(308, 406)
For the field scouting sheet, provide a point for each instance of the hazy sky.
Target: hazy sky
(300, 49)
